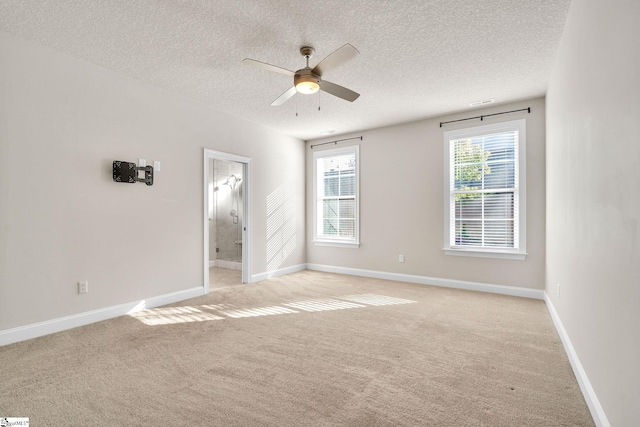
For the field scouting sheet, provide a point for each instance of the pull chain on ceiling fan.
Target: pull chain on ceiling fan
(309, 80)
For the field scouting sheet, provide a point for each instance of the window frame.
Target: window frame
(518, 253)
(321, 240)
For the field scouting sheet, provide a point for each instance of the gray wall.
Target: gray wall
(593, 202)
(402, 203)
(63, 219)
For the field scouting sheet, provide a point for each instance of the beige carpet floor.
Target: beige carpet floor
(223, 277)
(307, 349)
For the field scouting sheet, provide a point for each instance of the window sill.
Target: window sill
(486, 253)
(337, 243)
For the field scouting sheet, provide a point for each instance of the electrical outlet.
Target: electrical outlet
(142, 162)
(400, 258)
(558, 289)
(156, 165)
(83, 287)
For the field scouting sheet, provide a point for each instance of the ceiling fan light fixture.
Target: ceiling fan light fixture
(307, 85)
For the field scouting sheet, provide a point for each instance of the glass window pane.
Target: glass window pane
(331, 186)
(330, 208)
(499, 205)
(468, 206)
(347, 227)
(330, 227)
(348, 185)
(469, 163)
(347, 208)
(468, 177)
(330, 217)
(502, 146)
(500, 175)
(468, 233)
(498, 234)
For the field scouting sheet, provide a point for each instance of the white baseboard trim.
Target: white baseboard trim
(434, 281)
(22, 333)
(280, 272)
(212, 263)
(599, 417)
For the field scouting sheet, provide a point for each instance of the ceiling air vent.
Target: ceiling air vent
(479, 103)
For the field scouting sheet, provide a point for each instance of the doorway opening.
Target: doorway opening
(226, 219)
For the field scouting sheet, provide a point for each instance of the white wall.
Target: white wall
(593, 202)
(402, 203)
(63, 219)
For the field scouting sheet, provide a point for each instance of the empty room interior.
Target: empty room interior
(320, 213)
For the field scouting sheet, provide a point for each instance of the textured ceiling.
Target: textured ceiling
(418, 58)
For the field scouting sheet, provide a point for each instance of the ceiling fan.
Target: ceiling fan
(309, 80)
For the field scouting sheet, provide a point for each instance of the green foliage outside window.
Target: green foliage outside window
(470, 165)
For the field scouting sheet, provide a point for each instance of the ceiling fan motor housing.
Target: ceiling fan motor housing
(306, 81)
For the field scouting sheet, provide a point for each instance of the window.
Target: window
(485, 191)
(336, 197)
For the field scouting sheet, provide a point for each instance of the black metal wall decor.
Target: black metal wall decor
(128, 172)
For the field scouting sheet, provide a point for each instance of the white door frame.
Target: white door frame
(246, 211)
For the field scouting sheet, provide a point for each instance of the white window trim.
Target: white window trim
(335, 241)
(516, 254)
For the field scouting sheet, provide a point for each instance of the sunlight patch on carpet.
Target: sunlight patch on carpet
(172, 315)
(208, 312)
(236, 313)
(322, 304)
(374, 299)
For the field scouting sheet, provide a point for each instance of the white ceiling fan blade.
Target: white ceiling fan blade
(265, 66)
(284, 97)
(339, 91)
(337, 58)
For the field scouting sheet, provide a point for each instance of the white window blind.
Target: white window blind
(336, 195)
(485, 189)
